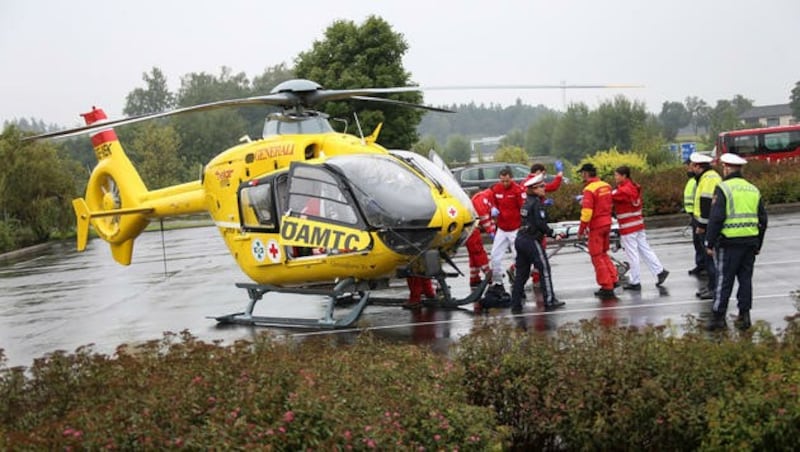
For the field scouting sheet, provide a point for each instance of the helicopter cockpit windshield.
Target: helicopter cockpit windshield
(390, 195)
(439, 173)
(292, 124)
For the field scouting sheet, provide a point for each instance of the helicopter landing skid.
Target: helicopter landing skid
(257, 291)
(444, 299)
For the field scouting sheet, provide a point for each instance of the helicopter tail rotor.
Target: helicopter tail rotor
(112, 202)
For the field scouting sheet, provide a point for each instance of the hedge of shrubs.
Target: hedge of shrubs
(584, 387)
(183, 393)
(590, 387)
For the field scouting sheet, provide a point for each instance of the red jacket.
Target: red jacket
(596, 205)
(509, 201)
(628, 206)
(482, 202)
(554, 184)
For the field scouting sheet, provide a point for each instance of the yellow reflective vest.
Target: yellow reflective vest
(704, 194)
(688, 195)
(741, 208)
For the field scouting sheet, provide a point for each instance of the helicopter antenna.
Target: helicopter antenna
(360, 132)
(163, 247)
(341, 120)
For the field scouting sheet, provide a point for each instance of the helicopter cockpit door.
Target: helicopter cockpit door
(320, 216)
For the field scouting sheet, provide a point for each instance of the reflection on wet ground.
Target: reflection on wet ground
(61, 299)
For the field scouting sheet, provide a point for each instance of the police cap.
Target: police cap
(697, 157)
(532, 181)
(732, 159)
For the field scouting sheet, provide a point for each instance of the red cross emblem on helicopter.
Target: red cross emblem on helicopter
(273, 251)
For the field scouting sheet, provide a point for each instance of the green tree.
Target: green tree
(425, 144)
(370, 55)
(613, 123)
(725, 115)
(157, 148)
(512, 154)
(647, 140)
(270, 78)
(201, 87)
(673, 117)
(571, 138)
(155, 98)
(539, 136)
(515, 137)
(36, 187)
(698, 111)
(37, 126)
(204, 135)
(262, 85)
(606, 161)
(794, 101)
(741, 104)
(457, 149)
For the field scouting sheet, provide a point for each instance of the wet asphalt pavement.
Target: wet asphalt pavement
(59, 299)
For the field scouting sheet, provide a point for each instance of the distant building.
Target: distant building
(768, 115)
(484, 148)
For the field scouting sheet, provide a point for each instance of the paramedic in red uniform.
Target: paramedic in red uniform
(538, 168)
(478, 259)
(596, 220)
(418, 286)
(627, 197)
(508, 199)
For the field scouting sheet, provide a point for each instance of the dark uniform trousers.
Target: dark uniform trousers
(709, 265)
(734, 262)
(530, 251)
(699, 248)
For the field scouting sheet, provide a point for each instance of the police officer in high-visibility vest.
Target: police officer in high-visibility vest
(688, 207)
(707, 181)
(735, 233)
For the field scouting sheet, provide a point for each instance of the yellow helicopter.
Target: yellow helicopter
(304, 210)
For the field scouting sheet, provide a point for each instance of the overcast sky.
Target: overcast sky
(59, 58)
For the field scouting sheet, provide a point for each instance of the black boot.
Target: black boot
(556, 304)
(742, 321)
(604, 293)
(717, 322)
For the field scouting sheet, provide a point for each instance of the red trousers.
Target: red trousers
(604, 269)
(478, 259)
(417, 286)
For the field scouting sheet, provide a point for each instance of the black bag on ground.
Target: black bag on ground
(496, 297)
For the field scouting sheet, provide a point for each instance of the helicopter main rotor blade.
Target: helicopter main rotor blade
(524, 87)
(285, 99)
(401, 103)
(280, 99)
(327, 95)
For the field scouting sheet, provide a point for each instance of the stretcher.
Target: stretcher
(570, 231)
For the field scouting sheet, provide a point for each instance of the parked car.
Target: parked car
(480, 176)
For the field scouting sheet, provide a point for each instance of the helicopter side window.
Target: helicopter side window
(257, 207)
